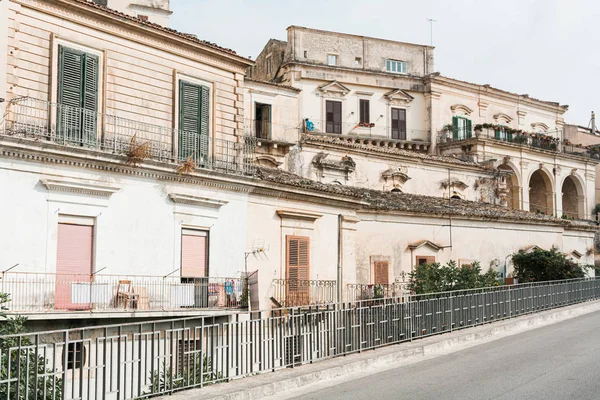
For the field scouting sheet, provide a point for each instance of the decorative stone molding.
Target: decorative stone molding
(196, 201)
(334, 89)
(79, 187)
(461, 108)
(503, 118)
(573, 171)
(299, 214)
(521, 116)
(334, 170)
(455, 184)
(541, 125)
(398, 97)
(268, 161)
(395, 178)
(425, 243)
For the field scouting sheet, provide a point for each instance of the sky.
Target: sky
(548, 49)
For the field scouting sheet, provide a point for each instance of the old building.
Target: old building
(155, 11)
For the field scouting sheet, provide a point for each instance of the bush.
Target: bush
(545, 265)
(432, 278)
(23, 362)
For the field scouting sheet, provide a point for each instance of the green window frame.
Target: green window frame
(78, 74)
(463, 128)
(194, 114)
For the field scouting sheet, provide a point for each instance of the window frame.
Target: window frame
(341, 122)
(364, 113)
(334, 57)
(468, 127)
(391, 66)
(200, 232)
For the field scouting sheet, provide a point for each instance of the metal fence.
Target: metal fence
(366, 291)
(296, 293)
(139, 360)
(547, 141)
(32, 292)
(44, 121)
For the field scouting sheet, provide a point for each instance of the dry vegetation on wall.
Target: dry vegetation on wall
(137, 152)
(187, 167)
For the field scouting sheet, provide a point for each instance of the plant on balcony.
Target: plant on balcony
(25, 367)
(188, 166)
(520, 138)
(137, 152)
(365, 125)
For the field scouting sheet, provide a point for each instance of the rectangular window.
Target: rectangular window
(297, 270)
(194, 112)
(194, 254)
(365, 117)
(269, 65)
(381, 272)
(74, 263)
(331, 59)
(305, 54)
(398, 123)
(421, 260)
(398, 67)
(333, 117)
(78, 74)
(462, 128)
(76, 355)
(262, 121)
(357, 61)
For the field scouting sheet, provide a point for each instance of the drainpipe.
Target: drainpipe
(339, 259)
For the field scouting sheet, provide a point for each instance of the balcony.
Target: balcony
(35, 293)
(271, 138)
(41, 121)
(371, 134)
(298, 293)
(549, 141)
(365, 291)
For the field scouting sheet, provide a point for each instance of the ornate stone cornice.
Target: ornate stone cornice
(196, 201)
(81, 187)
(299, 214)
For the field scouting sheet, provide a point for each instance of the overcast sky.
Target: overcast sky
(548, 49)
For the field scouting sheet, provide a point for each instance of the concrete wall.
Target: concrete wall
(138, 73)
(371, 52)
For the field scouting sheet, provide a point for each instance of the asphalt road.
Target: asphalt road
(560, 361)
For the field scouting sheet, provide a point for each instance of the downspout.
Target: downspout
(339, 259)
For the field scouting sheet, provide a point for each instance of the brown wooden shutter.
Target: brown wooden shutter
(333, 116)
(381, 272)
(297, 270)
(364, 111)
(193, 253)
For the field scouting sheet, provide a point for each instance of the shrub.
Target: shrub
(545, 265)
(432, 278)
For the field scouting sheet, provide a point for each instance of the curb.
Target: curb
(373, 361)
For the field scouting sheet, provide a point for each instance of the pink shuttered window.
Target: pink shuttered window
(193, 253)
(73, 263)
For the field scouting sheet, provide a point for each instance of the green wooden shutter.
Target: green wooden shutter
(469, 129)
(455, 125)
(497, 132)
(90, 99)
(77, 96)
(194, 118)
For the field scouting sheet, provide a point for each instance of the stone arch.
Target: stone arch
(513, 186)
(573, 198)
(541, 193)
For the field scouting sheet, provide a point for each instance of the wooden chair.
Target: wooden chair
(125, 295)
(143, 302)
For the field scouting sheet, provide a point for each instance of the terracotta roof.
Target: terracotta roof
(307, 137)
(376, 200)
(149, 24)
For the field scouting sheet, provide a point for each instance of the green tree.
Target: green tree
(545, 265)
(18, 361)
(432, 278)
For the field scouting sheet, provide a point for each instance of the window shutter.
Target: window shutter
(70, 88)
(194, 119)
(381, 272)
(469, 129)
(204, 121)
(364, 111)
(298, 265)
(455, 125)
(193, 254)
(90, 99)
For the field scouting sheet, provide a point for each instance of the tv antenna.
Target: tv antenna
(431, 21)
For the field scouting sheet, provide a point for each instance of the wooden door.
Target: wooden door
(297, 271)
(381, 272)
(74, 267)
(398, 124)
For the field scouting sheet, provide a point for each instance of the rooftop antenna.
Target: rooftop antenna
(431, 21)
(593, 123)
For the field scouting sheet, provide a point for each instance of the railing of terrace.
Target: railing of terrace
(297, 293)
(44, 121)
(43, 292)
(138, 360)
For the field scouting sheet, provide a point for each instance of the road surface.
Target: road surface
(560, 361)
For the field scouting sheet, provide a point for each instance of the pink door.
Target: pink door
(73, 266)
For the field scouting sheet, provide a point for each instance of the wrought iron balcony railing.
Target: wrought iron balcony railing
(297, 293)
(32, 292)
(67, 126)
(547, 141)
(367, 291)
